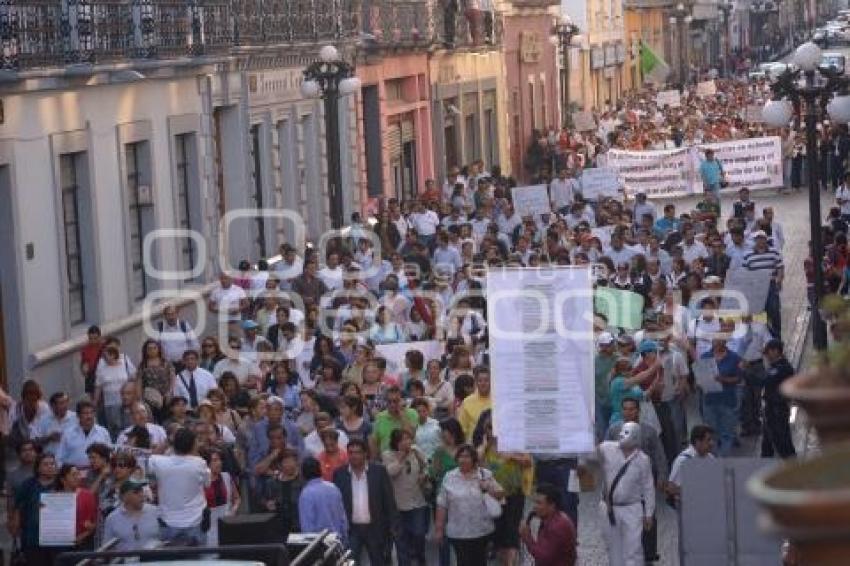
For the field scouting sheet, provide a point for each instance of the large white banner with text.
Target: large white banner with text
(541, 359)
(754, 162)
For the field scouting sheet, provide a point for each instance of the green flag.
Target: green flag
(652, 67)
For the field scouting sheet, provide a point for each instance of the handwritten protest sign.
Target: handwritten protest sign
(671, 98)
(706, 88)
(583, 121)
(746, 291)
(533, 199)
(622, 308)
(598, 182)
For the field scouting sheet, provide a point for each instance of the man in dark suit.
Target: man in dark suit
(367, 494)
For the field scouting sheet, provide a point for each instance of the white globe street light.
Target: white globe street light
(777, 113)
(839, 108)
(310, 89)
(329, 54)
(808, 56)
(348, 86)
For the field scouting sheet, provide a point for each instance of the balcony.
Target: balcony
(53, 33)
(394, 24)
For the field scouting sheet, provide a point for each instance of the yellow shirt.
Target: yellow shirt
(470, 410)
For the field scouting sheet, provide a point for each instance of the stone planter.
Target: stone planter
(826, 400)
(808, 503)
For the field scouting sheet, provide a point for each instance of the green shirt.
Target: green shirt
(385, 424)
(442, 462)
(507, 473)
(602, 367)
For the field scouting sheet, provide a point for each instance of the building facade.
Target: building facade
(532, 75)
(131, 169)
(645, 24)
(602, 62)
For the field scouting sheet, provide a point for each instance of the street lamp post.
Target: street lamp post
(682, 17)
(725, 9)
(563, 33)
(330, 78)
(828, 92)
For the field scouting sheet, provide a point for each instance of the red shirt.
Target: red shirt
(556, 542)
(86, 509)
(330, 463)
(90, 354)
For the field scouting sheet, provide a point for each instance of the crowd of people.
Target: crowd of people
(291, 408)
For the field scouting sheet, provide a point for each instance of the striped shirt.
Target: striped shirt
(768, 259)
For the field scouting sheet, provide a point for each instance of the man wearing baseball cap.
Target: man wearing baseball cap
(134, 523)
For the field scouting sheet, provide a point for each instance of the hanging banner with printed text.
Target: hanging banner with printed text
(754, 162)
(660, 173)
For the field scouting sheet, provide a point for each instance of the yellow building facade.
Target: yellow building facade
(469, 109)
(644, 24)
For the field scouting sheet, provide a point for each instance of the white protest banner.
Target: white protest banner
(753, 114)
(599, 182)
(746, 291)
(394, 353)
(541, 359)
(671, 98)
(533, 199)
(658, 173)
(57, 519)
(705, 374)
(583, 121)
(753, 162)
(706, 88)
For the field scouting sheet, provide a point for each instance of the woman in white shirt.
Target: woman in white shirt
(110, 376)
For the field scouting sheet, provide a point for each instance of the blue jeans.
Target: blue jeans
(414, 529)
(721, 417)
(186, 536)
(557, 474)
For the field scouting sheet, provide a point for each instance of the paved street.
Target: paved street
(792, 211)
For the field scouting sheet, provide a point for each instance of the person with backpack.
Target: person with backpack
(175, 336)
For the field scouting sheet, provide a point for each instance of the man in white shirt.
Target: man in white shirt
(52, 426)
(73, 444)
(425, 222)
(252, 341)
(180, 480)
(776, 231)
(228, 300)
(691, 247)
(453, 178)
(241, 367)
(618, 252)
(331, 273)
(289, 267)
(193, 383)
(141, 417)
(446, 257)
(737, 248)
(705, 328)
(175, 336)
(508, 220)
(562, 190)
(642, 206)
(702, 440)
(629, 498)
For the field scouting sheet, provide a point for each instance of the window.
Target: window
(184, 146)
(69, 179)
(140, 214)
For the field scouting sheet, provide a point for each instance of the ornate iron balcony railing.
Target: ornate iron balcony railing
(55, 33)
